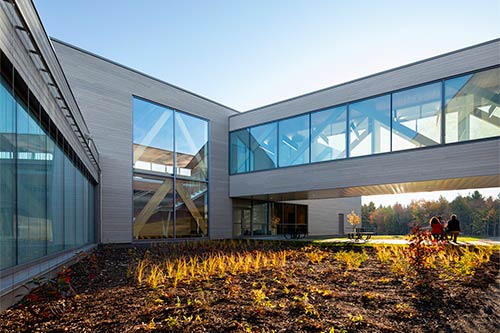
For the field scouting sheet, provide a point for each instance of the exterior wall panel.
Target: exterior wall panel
(457, 161)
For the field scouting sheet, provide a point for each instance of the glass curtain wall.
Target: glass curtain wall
(42, 207)
(294, 141)
(239, 151)
(328, 134)
(170, 173)
(263, 147)
(472, 106)
(407, 119)
(370, 126)
(416, 117)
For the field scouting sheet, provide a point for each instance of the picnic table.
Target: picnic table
(360, 234)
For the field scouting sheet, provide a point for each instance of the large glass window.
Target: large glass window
(191, 140)
(55, 181)
(191, 209)
(472, 106)
(369, 126)
(153, 137)
(263, 147)
(165, 210)
(328, 134)
(416, 115)
(293, 141)
(44, 195)
(153, 207)
(7, 178)
(239, 151)
(31, 187)
(69, 204)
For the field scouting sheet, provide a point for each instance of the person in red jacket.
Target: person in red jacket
(437, 228)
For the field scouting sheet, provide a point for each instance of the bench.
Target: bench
(360, 234)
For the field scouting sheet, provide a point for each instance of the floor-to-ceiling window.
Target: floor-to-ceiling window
(170, 172)
(369, 126)
(416, 115)
(472, 106)
(328, 134)
(46, 197)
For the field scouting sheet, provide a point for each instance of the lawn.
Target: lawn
(268, 286)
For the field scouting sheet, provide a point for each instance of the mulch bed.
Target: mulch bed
(301, 297)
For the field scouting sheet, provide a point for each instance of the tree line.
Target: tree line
(479, 216)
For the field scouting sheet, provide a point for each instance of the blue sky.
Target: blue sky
(246, 54)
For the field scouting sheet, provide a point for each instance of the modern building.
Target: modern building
(95, 152)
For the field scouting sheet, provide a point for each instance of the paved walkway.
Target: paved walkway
(375, 240)
(404, 241)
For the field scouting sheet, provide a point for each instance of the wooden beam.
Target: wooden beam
(186, 198)
(149, 209)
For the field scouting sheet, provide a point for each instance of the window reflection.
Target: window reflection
(191, 209)
(263, 147)
(328, 134)
(191, 139)
(472, 106)
(153, 137)
(416, 115)
(369, 126)
(294, 141)
(160, 210)
(153, 207)
(239, 151)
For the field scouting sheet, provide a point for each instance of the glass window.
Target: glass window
(263, 147)
(260, 212)
(91, 225)
(153, 137)
(79, 207)
(241, 217)
(369, 126)
(191, 140)
(416, 115)
(55, 183)
(69, 204)
(472, 106)
(7, 178)
(294, 141)
(153, 207)
(191, 209)
(31, 186)
(239, 151)
(328, 134)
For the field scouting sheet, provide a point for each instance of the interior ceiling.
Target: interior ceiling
(412, 187)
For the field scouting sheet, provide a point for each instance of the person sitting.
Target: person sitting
(444, 224)
(437, 228)
(453, 228)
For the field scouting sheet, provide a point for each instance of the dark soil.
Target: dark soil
(302, 297)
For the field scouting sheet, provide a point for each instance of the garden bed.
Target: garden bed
(261, 287)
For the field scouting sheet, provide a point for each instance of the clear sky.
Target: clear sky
(246, 54)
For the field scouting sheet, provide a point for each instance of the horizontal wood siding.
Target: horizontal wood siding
(451, 162)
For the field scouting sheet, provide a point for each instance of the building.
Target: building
(95, 152)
